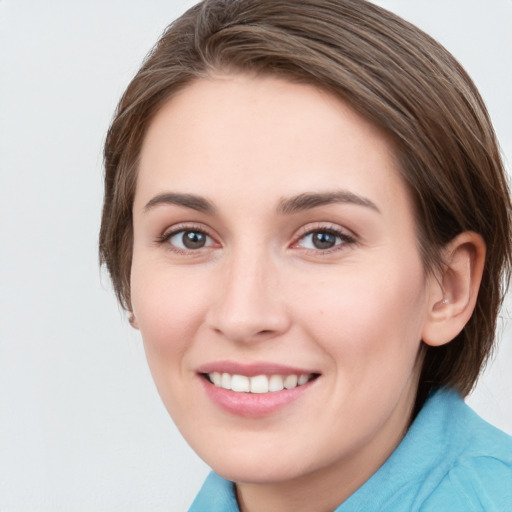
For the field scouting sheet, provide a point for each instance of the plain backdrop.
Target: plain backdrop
(81, 425)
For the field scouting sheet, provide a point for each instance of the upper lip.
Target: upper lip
(252, 369)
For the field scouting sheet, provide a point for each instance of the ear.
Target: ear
(453, 292)
(133, 321)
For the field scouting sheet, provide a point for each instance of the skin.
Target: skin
(259, 290)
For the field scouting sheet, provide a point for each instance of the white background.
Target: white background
(81, 425)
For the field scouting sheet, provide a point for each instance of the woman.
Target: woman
(307, 218)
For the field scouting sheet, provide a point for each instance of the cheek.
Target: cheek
(369, 323)
(168, 311)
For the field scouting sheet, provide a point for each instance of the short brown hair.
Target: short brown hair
(391, 73)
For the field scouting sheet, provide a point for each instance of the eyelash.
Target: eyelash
(344, 238)
(182, 228)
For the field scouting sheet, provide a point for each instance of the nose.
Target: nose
(249, 305)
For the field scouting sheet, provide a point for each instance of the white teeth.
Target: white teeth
(303, 379)
(216, 379)
(258, 384)
(275, 383)
(290, 381)
(240, 383)
(225, 381)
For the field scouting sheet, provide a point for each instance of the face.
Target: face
(275, 254)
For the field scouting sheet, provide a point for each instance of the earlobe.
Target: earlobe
(454, 291)
(133, 321)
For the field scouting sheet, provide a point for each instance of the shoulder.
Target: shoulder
(450, 460)
(479, 474)
(473, 484)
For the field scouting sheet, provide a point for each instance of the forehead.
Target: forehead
(242, 135)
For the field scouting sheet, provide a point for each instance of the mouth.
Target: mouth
(255, 390)
(258, 384)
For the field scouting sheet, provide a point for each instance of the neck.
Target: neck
(325, 489)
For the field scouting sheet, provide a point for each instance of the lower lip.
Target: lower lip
(253, 405)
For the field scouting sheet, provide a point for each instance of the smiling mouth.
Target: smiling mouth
(258, 384)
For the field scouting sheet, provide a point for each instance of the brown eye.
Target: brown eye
(323, 240)
(193, 239)
(189, 239)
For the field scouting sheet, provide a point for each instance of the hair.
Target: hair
(392, 74)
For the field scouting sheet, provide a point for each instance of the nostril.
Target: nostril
(247, 319)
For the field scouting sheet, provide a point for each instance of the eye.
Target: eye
(324, 239)
(319, 240)
(188, 239)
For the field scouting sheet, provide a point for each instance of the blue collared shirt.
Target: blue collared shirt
(450, 460)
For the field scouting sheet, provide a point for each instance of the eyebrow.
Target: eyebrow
(286, 206)
(187, 200)
(311, 200)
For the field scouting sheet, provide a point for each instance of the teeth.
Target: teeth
(225, 381)
(240, 383)
(275, 383)
(216, 379)
(302, 379)
(291, 381)
(258, 384)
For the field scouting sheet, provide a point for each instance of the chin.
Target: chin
(256, 472)
(260, 465)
